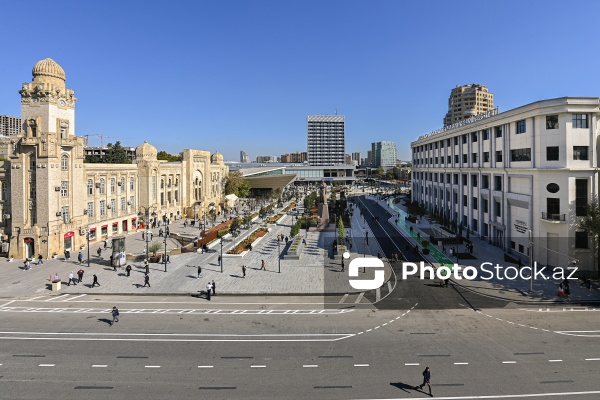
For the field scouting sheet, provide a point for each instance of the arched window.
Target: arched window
(102, 185)
(90, 187)
(131, 183)
(122, 183)
(113, 185)
(64, 162)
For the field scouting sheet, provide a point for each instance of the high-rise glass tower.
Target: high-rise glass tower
(326, 140)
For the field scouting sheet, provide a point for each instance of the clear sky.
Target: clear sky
(243, 75)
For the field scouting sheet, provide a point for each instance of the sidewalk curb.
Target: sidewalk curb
(195, 294)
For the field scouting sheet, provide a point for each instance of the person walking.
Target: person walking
(72, 279)
(244, 270)
(99, 251)
(262, 265)
(214, 288)
(26, 265)
(80, 258)
(426, 378)
(147, 265)
(80, 275)
(115, 314)
(219, 260)
(199, 272)
(208, 290)
(105, 244)
(146, 280)
(95, 282)
(342, 264)
(40, 259)
(112, 264)
(128, 270)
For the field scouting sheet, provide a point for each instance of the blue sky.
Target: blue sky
(243, 75)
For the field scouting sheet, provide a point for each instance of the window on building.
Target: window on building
(32, 163)
(474, 203)
(64, 189)
(113, 185)
(485, 181)
(464, 179)
(455, 197)
(92, 233)
(465, 138)
(581, 197)
(131, 183)
(456, 158)
(102, 207)
(455, 140)
(90, 187)
(581, 240)
(123, 184)
(499, 156)
(551, 121)
(456, 179)
(520, 155)
(474, 179)
(123, 204)
(580, 153)
(521, 127)
(486, 156)
(65, 214)
(132, 202)
(104, 231)
(552, 153)
(513, 245)
(474, 157)
(497, 182)
(102, 186)
(521, 249)
(498, 209)
(90, 209)
(484, 205)
(113, 205)
(474, 225)
(64, 163)
(552, 207)
(474, 136)
(4, 190)
(115, 228)
(464, 200)
(464, 159)
(580, 121)
(498, 131)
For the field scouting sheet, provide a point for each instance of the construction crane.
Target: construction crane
(101, 136)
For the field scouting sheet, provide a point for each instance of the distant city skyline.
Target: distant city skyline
(231, 75)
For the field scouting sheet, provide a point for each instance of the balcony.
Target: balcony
(553, 217)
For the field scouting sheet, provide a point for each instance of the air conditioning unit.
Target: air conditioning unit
(119, 183)
(4, 238)
(108, 206)
(6, 216)
(84, 212)
(98, 185)
(57, 189)
(82, 231)
(58, 214)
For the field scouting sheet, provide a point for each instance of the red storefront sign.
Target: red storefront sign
(69, 234)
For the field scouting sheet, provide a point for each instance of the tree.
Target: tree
(341, 230)
(115, 154)
(236, 184)
(380, 171)
(163, 155)
(390, 174)
(591, 223)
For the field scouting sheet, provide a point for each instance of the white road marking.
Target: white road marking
(411, 364)
(99, 366)
(592, 359)
(205, 366)
(359, 298)
(310, 366)
(258, 366)
(57, 297)
(343, 299)
(580, 333)
(152, 366)
(461, 363)
(361, 365)
(76, 297)
(47, 365)
(509, 362)
(175, 311)
(8, 303)
(554, 360)
(503, 396)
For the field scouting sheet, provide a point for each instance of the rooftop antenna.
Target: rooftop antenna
(336, 111)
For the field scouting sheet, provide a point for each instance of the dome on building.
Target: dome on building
(216, 157)
(145, 151)
(48, 67)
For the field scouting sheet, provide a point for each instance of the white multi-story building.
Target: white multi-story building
(326, 140)
(530, 170)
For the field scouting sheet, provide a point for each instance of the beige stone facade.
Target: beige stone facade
(49, 196)
(467, 101)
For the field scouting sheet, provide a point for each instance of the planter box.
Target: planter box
(56, 286)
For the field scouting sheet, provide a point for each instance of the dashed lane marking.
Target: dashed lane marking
(509, 362)
(99, 366)
(412, 364)
(205, 366)
(6, 308)
(461, 363)
(151, 366)
(54, 298)
(361, 365)
(47, 365)
(76, 297)
(359, 298)
(258, 366)
(554, 360)
(310, 366)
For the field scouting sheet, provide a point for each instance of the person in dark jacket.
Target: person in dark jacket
(128, 270)
(115, 314)
(426, 378)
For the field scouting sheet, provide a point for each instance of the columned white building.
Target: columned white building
(530, 170)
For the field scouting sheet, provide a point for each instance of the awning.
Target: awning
(115, 224)
(104, 226)
(69, 234)
(134, 218)
(93, 230)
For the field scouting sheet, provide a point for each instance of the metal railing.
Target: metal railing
(553, 217)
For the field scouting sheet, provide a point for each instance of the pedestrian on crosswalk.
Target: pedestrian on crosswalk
(426, 378)
(115, 314)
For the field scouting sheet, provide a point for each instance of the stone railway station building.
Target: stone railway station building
(49, 196)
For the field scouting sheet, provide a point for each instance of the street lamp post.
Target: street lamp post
(221, 255)
(278, 255)
(146, 214)
(87, 236)
(165, 258)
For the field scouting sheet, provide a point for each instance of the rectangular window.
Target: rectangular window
(521, 126)
(456, 158)
(131, 183)
(580, 152)
(499, 156)
(464, 200)
(123, 204)
(474, 157)
(104, 231)
(115, 228)
(464, 179)
(90, 209)
(553, 207)
(102, 207)
(551, 121)
(113, 186)
(581, 197)
(455, 140)
(498, 131)
(474, 136)
(552, 153)
(132, 203)
(485, 181)
(455, 197)
(581, 240)
(521, 249)
(65, 214)
(474, 203)
(497, 183)
(513, 245)
(498, 209)
(465, 159)
(580, 121)
(64, 189)
(448, 159)
(92, 233)
(456, 179)
(486, 134)
(113, 205)
(520, 155)
(486, 156)
(465, 138)
(484, 205)
(474, 225)
(474, 180)
(90, 187)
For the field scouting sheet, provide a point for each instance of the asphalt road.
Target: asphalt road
(288, 348)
